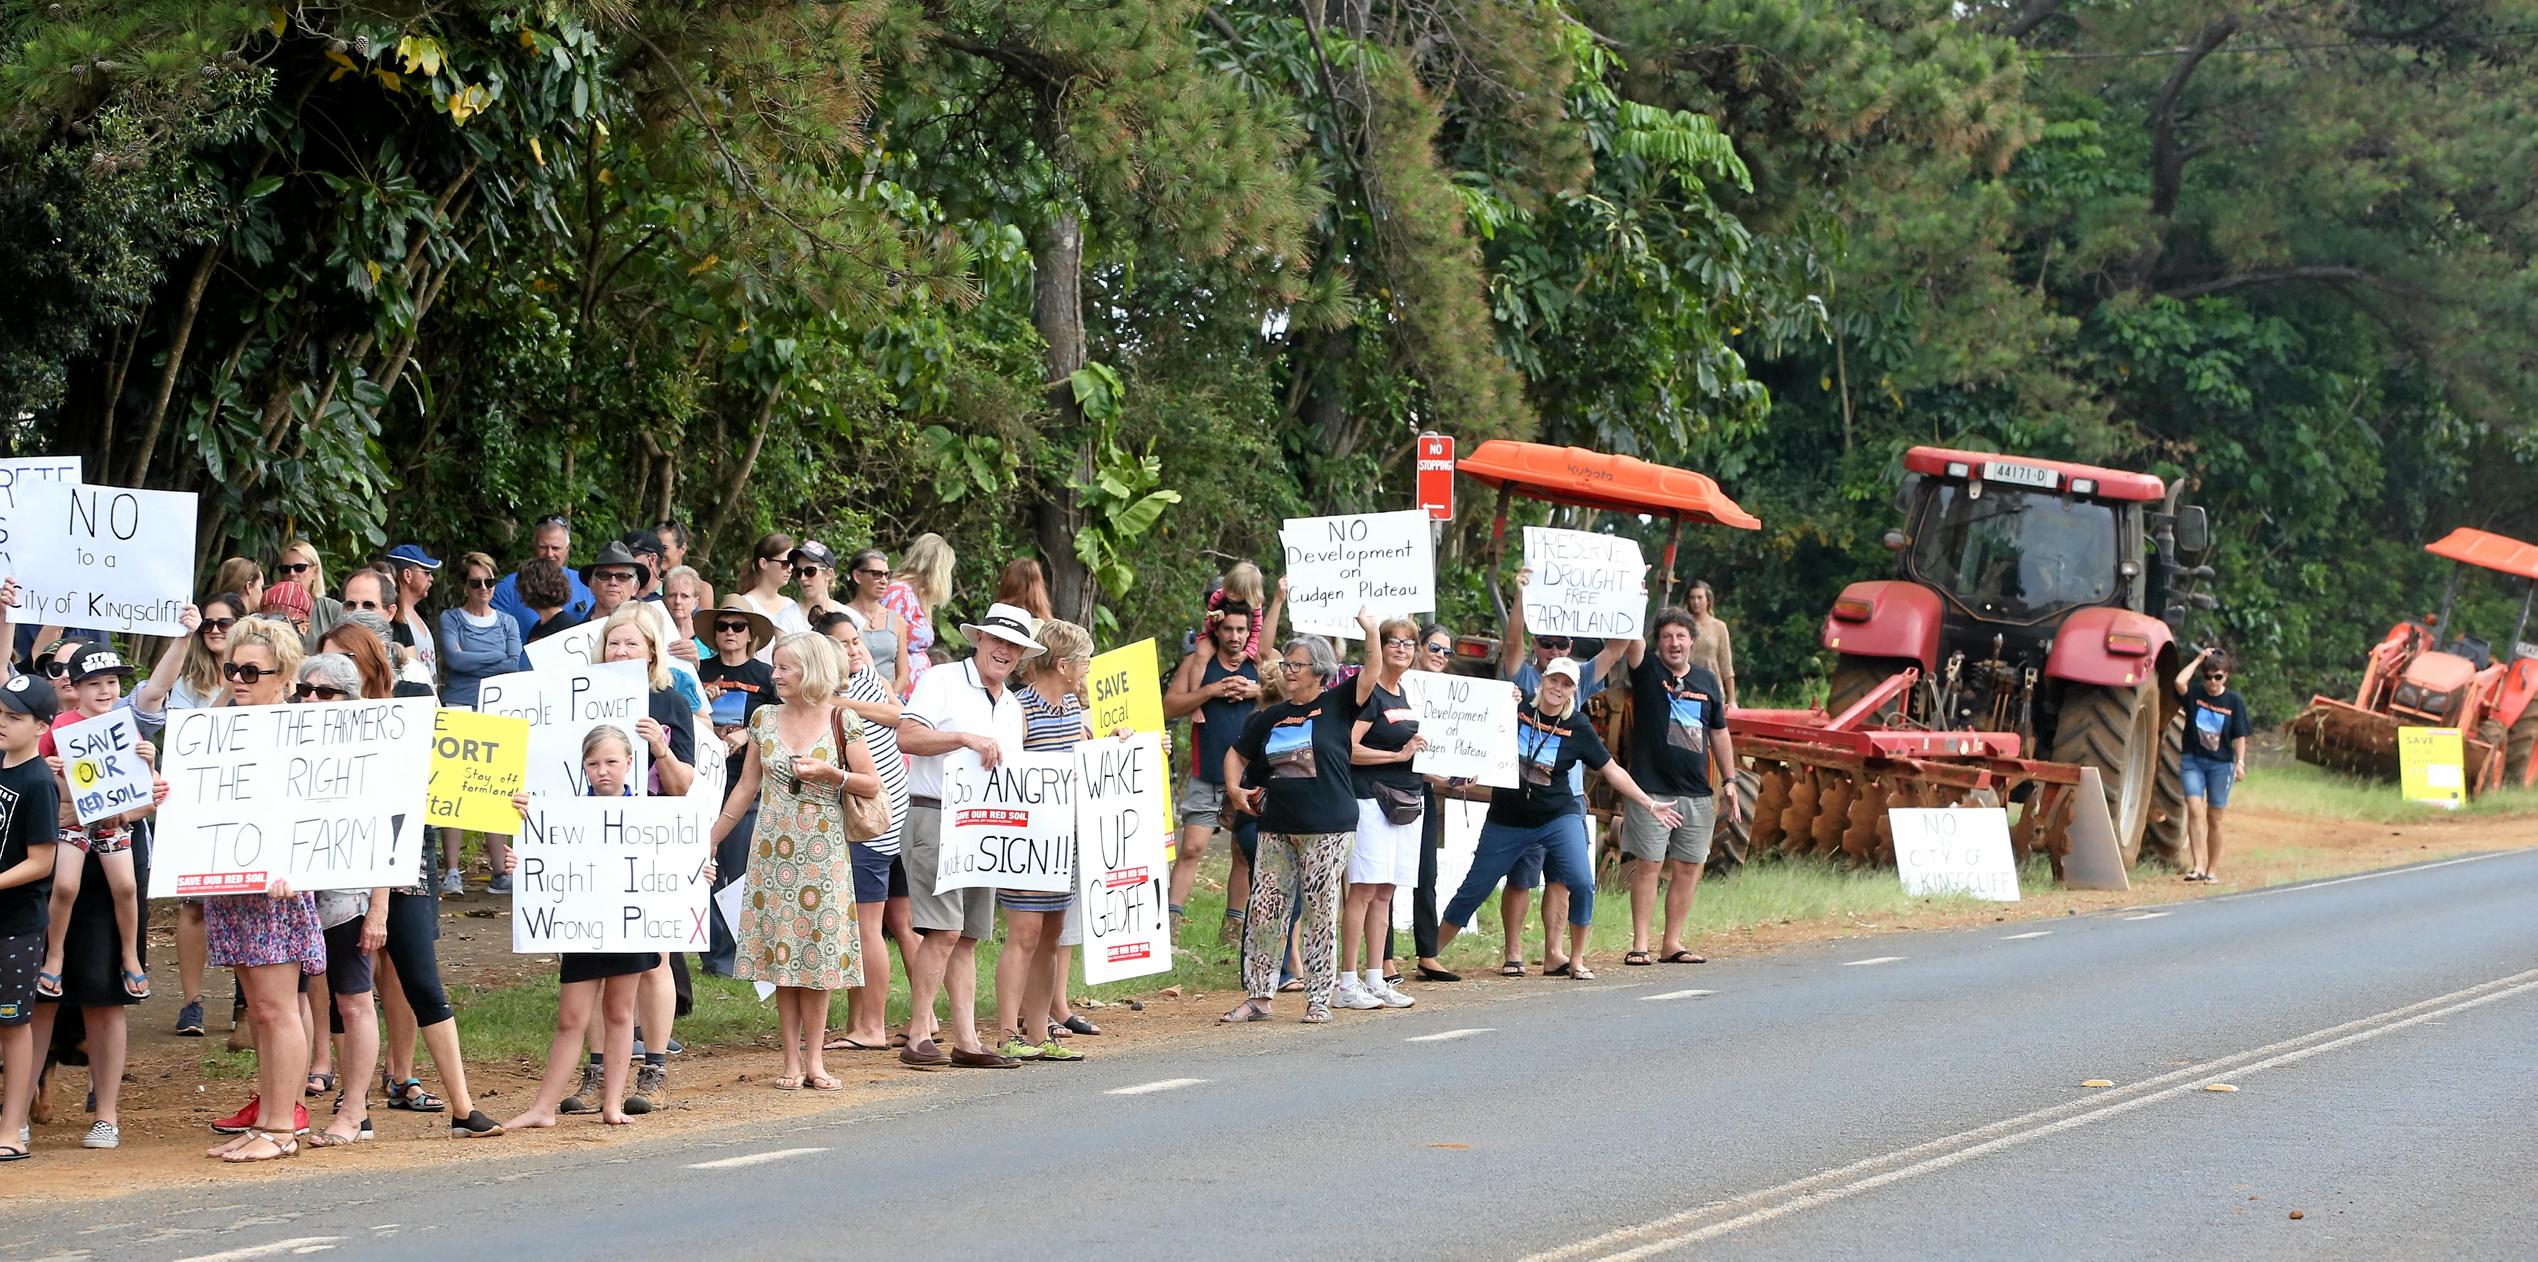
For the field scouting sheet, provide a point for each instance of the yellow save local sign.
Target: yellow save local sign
(2432, 765)
(1127, 691)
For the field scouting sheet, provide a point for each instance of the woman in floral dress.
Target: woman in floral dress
(797, 925)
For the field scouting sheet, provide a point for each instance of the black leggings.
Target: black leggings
(1423, 898)
(414, 930)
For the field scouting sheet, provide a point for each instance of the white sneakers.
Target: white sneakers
(1351, 994)
(1390, 995)
(103, 1135)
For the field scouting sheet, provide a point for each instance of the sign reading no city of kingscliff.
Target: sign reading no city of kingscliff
(1379, 562)
(111, 557)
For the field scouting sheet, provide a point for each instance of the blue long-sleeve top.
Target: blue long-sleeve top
(471, 654)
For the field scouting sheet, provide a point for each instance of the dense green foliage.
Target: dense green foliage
(1123, 284)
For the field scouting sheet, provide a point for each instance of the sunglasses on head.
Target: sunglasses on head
(245, 674)
(294, 567)
(322, 692)
(741, 627)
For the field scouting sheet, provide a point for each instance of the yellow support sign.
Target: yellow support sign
(478, 762)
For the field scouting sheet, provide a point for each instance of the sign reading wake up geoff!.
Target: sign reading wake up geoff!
(1379, 562)
(115, 558)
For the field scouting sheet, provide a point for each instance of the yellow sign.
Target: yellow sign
(1126, 685)
(2432, 765)
(478, 762)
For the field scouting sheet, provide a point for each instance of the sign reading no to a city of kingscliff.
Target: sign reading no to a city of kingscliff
(109, 557)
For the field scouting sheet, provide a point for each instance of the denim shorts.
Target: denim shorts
(2208, 779)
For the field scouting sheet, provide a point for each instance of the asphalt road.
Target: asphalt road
(1901, 1096)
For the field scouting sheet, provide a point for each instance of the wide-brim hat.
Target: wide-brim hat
(762, 629)
(1010, 623)
(617, 553)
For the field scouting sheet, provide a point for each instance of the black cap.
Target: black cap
(642, 543)
(30, 697)
(815, 552)
(93, 660)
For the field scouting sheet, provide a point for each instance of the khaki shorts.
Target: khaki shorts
(1645, 839)
(972, 911)
(1202, 802)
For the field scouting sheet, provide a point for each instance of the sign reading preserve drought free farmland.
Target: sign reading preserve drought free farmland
(1379, 562)
(1584, 584)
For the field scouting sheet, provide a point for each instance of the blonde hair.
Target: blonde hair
(1544, 709)
(928, 568)
(1243, 583)
(278, 638)
(815, 657)
(632, 614)
(593, 738)
(478, 561)
(1063, 640)
(315, 580)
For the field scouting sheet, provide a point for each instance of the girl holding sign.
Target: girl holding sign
(668, 728)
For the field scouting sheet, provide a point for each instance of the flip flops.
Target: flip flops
(136, 985)
(1684, 957)
(1512, 968)
(1562, 969)
(1636, 958)
(48, 985)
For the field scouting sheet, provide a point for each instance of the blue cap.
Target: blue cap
(412, 554)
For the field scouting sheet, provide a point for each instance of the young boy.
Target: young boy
(95, 673)
(27, 806)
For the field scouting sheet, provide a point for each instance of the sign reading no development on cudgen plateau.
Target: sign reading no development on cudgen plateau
(1470, 725)
(1122, 821)
(1957, 850)
(109, 557)
(1584, 584)
(326, 796)
(101, 759)
(1009, 827)
(612, 874)
(562, 707)
(1379, 562)
(17, 474)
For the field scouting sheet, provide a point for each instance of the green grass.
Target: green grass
(2300, 789)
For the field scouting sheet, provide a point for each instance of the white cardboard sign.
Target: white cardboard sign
(1382, 562)
(101, 761)
(1584, 584)
(1124, 823)
(1470, 725)
(612, 874)
(1011, 827)
(324, 795)
(569, 649)
(21, 472)
(1955, 850)
(109, 557)
(562, 707)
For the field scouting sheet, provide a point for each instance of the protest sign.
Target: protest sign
(1470, 725)
(1123, 821)
(101, 760)
(1011, 826)
(1382, 562)
(569, 649)
(612, 874)
(478, 762)
(323, 795)
(1957, 850)
(20, 472)
(108, 557)
(562, 707)
(2432, 766)
(711, 769)
(1584, 584)
(727, 903)
(1127, 689)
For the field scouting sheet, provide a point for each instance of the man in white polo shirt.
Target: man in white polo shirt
(967, 706)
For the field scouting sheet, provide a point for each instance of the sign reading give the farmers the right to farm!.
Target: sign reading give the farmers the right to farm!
(1380, 562)
(324, 796)
(1584, 584)
(109, 557)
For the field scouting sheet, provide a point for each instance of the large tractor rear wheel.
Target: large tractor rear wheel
(2165, 838)
(1734, 837)
(2514, 745)
(2116, 730)
(1856, 677)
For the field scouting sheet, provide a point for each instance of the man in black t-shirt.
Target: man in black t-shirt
(1679, 750)
(28, 816)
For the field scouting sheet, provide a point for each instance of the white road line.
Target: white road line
(1874, 959)
(755, 1159)
(2021, 937)
(1938, 1154)
(309, 1244)
(2148, 915)
(1149, 1088)
(2365, 876)
(1448, 1036)
(1675, 994)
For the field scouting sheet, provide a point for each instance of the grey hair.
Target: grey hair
(1325, 662)
(334, 670)
(376, 623)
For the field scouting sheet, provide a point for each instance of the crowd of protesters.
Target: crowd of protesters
(837, 707)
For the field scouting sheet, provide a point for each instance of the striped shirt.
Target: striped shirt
(865, 685)
(1050, 726)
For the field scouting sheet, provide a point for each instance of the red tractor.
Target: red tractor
(2034, 599)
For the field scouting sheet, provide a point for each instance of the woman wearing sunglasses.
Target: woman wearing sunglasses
(356, 925)
(2215, 755)
(188, 678)
(300, 564)
(762, 589)
(1435, 655)
(736, 685)
(885, 633)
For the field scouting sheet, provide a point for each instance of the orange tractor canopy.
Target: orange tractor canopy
(2410, 679)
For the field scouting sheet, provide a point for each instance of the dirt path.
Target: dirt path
(169, 1099)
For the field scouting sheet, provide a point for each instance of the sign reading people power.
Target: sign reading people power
(19, 473)
(562, 707)
(1011, 826)
(612, 874)
(101, 760)
(1470, 725)
(324, 796)
(1382, 562)
(108, 557)
(1123, 821)
(1584, 584)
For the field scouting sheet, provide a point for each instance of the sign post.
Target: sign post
(1436, 476)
